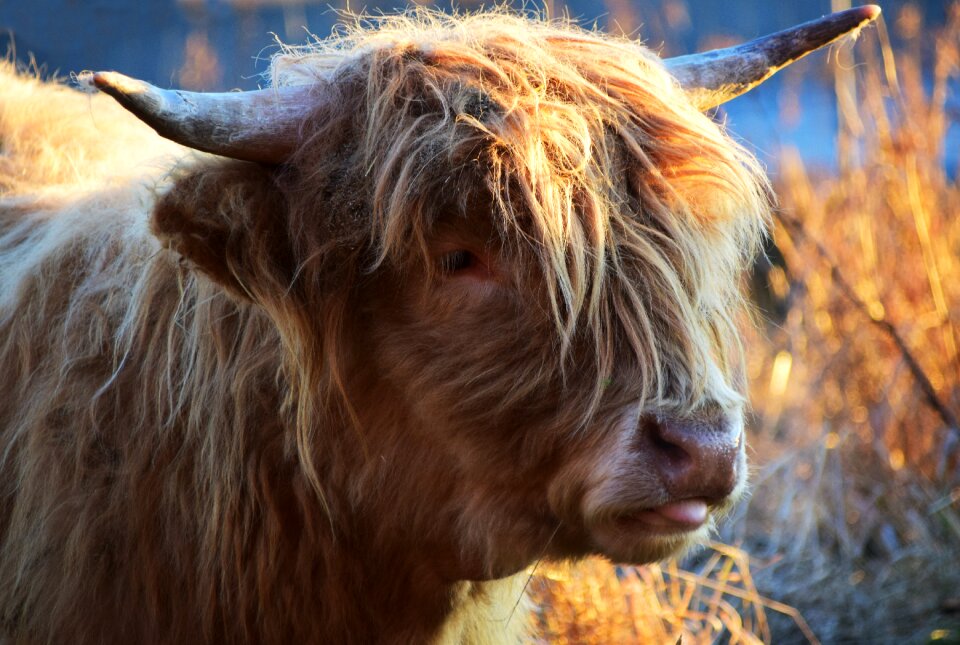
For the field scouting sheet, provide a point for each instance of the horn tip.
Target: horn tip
(115, 83)
(870, 11)
(857, 18)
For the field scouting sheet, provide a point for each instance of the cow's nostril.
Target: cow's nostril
(672, 452)
(694, 458)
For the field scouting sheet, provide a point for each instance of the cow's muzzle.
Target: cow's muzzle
(694, 458)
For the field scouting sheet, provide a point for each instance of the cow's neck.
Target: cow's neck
(405, 600)
(398, 556)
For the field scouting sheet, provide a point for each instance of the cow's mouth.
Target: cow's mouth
(676, 517)
(654, 533)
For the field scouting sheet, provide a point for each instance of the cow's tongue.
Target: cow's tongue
(689, 511)
(687, 515)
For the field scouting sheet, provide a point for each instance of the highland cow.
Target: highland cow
(451, 296)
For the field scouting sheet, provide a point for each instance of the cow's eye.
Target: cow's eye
(458, 261)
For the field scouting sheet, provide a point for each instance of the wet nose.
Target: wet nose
(695, 458)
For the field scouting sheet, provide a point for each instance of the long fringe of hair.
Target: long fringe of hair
(639, 211)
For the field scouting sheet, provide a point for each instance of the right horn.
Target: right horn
(262, 125)
(714, 77)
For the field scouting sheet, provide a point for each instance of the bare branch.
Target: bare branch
(796, 229)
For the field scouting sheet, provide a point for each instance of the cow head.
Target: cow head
(504, 259)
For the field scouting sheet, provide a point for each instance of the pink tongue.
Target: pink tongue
(689, 511)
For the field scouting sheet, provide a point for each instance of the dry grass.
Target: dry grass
(854, 524)
(594, 602)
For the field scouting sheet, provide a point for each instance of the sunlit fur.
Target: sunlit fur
(244, 403)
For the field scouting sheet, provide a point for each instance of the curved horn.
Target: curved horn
(714, 77)
(262, 125)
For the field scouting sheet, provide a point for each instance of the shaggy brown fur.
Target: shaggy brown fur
(274, 404)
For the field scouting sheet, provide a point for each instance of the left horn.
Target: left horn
(714, 77)
(261, 125)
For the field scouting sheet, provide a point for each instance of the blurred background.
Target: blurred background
(852, 534)
(226, 44)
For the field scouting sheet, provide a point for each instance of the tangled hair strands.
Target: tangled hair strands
(596, 164)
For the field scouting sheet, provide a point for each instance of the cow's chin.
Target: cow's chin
(621, 536)
(647, 535)
(629, 540)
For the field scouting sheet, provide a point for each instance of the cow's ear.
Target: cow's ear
(227, 220)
